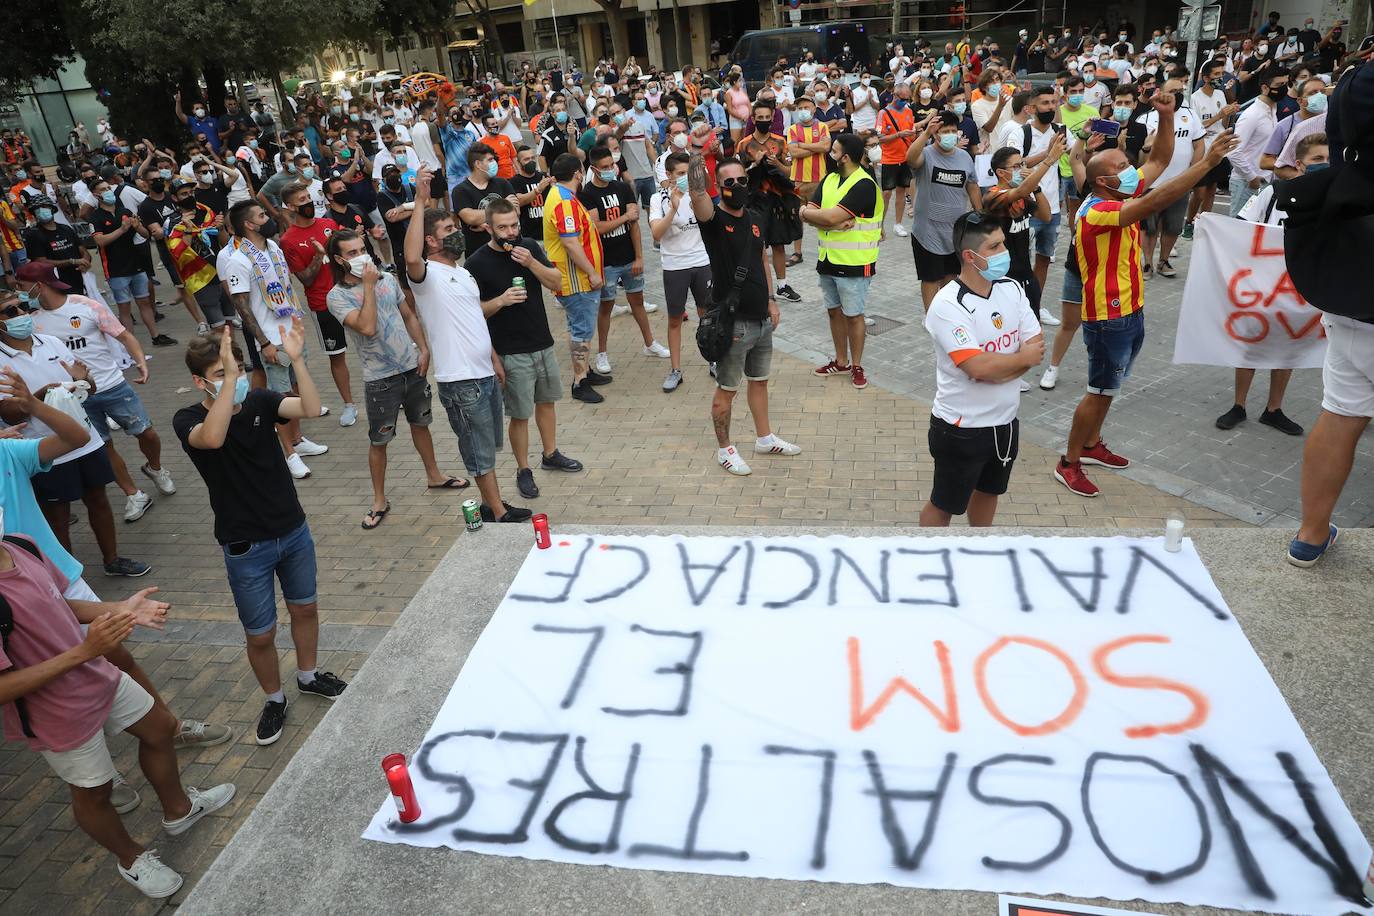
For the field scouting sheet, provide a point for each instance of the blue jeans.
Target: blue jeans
(581, 310)
(644, 190)
(121, 404)
(1113, 346)
(848, 294)
(1241, 192)
(251, 566)
(1045, 234)
(620, 275)
(127, 289)
(474, 412)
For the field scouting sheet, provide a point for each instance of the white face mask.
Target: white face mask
(875, 154)
(680, 141)
(926, 94)
(356, 265)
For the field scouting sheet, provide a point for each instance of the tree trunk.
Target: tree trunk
(214, 87)
(286, 119)
(896, 16)
(681, 29)
(440, 52)
(615, 24)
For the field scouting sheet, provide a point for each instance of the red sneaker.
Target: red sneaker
(831, 368)
(857, 376)
(1072, 476)
(1099, 454)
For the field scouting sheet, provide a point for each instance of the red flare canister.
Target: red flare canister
(542, 540)
(398, 777)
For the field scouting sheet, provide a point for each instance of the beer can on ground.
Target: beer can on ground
(472, 514)
(541, 531)
(402, 790)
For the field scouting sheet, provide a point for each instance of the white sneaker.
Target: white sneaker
(135, 506)
(602, 364)
(123, 796)
(202, 329)
(310, 449)
(869, 322)
(1051, 376)
(150, 876)
(651, 307)
(202, 803)
(1049, 320)
(162, 479)
(732, 462)
(113, 426)
(619, 309)
(901, 231)
(349, 416)
(774, 445)
(656, 349)
(1025, 385)
(296, 466)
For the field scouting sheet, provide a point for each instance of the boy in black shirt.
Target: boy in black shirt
(734, 238)
(520, 336)
(114, 227)
(480, 188)
(49, 240)
(530, 187)
(612, 205)
(348, 216)
(230, 436)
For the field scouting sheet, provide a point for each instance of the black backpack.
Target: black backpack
(7, 626)
(716, 329)
(1329, 233)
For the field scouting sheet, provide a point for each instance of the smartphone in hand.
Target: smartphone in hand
(1104, 126)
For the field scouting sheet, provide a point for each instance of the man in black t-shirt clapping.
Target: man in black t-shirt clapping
(520, 336)
(734, 238)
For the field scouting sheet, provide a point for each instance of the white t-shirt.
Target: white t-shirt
(982, 110)
(1256, 209)
(89, 330)
(1206, 106)
(403, 133)
(1187, 128)
(1098, 96)
(131, 197)
(807, 71)
(681, 246)
(39, 369)
(865, 116)
(963, 324)
(1125, 73)
(240, 271)
(83, 195)
(424, 145)
(384, 158)
(450, 309)
(1014, 135)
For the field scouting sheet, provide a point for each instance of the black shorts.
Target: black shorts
(784, 221)
(932, 267)
(69, 481)
(969, 459)
(331, 333)
(1029, 285)
(1218, 177)
(678, 283)
(895, 176)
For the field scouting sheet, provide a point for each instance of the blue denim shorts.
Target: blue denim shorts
(848, 294)
(474, 412)
(251, 566)
(127, 289)
(1073, 288)
(581, 309)
(1045, 234)
(1113, 346)
(121, 404)
(624, 277)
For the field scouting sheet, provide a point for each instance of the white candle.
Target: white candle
(1173, 534)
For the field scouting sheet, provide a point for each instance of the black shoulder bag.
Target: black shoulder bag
(7, 627)
(1329, 233)
(716, 329)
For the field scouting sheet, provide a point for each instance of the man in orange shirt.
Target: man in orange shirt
(896, 127)
(808, 140)
(1107, 238)
(501, 145)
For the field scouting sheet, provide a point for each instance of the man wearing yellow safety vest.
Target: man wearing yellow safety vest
(847, 211)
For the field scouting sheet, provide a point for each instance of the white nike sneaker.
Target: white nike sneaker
(297, 467)
(602, 364)
(1049, 320)
(150, 876)
(732, 462)
(310, 449)
(202, 803)
(619, 309)
(656, 349)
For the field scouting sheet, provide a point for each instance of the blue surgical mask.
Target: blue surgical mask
(21, 174)
(1130, 180)
(948, 141)
(308, 172)
(1316, 167)
(607, 174)
(401, 161)
(899, 104)
(44, 214)
(1089, 77)
(20, 327)
(619, 119)
(997, 268)
(1017, 177)
(240, 388)
(1316, 104)
(960, 108)
(107, 197)
(164, 174)
(804, 115)
(639, 104)
(1121, 113)
(388, 120)
(561, 117)
(252, 144)
(682, 182)
(1076, 99)
(492, 168)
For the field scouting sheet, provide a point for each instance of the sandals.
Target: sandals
(793, 260)
(375, 517)
(452, 483)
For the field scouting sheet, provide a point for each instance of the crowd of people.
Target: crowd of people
(426, 234)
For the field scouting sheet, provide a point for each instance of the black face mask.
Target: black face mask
(763, 127)
(157, 185)
(269, 228)
(393, 184)
(340, 198)
(529, 168)
(453, 244)
(1045, 117)
(306, 211)
(734, 198)
(186, 203)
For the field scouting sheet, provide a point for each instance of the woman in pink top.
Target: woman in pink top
(737, 106)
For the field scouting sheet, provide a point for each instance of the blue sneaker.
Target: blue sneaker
(1306, 555)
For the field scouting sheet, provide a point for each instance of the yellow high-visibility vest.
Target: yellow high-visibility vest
(850, 247)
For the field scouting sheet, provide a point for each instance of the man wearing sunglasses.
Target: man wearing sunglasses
(734, 239)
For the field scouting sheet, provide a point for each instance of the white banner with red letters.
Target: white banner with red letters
(1240, 308)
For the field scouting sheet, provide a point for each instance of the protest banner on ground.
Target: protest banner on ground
(1037, 715)
(1240, 309)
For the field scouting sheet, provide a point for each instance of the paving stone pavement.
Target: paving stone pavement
(650, 458)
